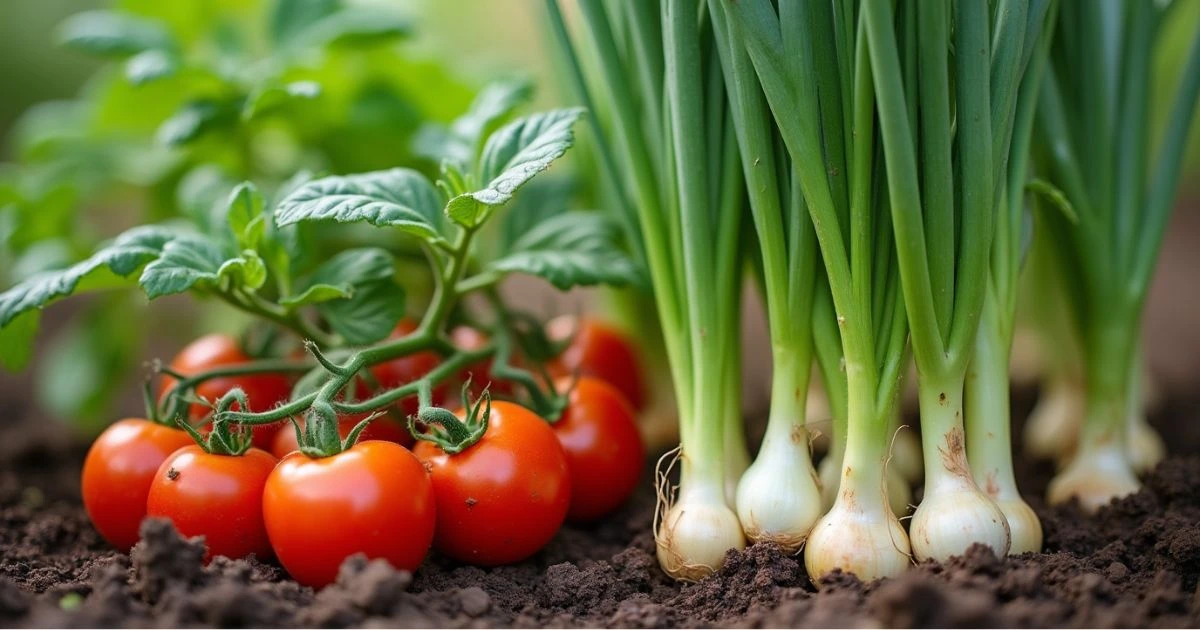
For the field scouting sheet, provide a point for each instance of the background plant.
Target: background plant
(1119, 168)
(193, 98)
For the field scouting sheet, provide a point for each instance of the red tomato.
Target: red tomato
(598, 350)
(480, 373)
(218, 497)
(503, 498)
(263, 391)
(383, 429)
(373, 499)
(402, 371)
(117, 474)
(604, 450)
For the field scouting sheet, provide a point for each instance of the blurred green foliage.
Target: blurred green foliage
(179, 101)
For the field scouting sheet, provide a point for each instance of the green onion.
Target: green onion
(670, 145)
(1052, 429)
(1094, 141)
(777, 498)
(945, 210)
(858, 321)
(987, 383)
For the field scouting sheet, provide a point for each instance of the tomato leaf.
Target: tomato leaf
(192, 261)
(317, 293)
(245, 215)
(511, 157)
(150, 65)
(289, 18)
(398, 197)
(247, 270)
(191, 121)
(272, 98)
(337, 278)
(357, 294)
(112, 33)
(461, 140)
(571, 249)
(542, 199)
(107, 268)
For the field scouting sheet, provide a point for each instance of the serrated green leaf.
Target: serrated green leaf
(514, 155)
(190, 122)
(186, 262)
(272, 98)
(16, 341)
(466, 211)
(108, 268)
(574, 248)
(543, 198)
(193, 261)
(398, 197)
(369, 316)
(112, 33)
(150, 65)
(340, 276)
(246, 270)
(370, 303)
(281, 246)
(244, 215)
(318, 293)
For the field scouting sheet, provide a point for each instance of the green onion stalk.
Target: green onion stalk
(1052, 429)
(1095, 128)
(988, 415)
(946, 178)
(902, 452)
(1145, 446)
(811, 63)
(778, 498)
(665, 136)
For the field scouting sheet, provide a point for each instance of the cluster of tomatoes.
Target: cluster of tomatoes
(497, 501)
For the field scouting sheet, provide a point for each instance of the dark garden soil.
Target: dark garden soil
(1137, 563)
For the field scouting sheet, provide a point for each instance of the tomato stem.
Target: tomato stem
(446, 430)
(321, 435)
(544, 400)
(173, 403)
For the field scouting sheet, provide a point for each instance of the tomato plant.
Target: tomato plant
(264, 254)
(263, 391)
(117, 474)
(217, 496)
(598, 433)
(600, 350)
(383, 428)
(403, 370)
(374, 498)
(501, 482)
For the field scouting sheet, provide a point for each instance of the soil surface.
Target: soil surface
(1136, 563)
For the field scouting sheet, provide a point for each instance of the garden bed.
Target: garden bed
(1136, 563)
